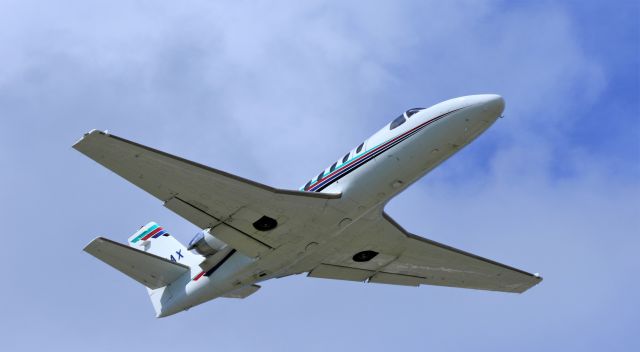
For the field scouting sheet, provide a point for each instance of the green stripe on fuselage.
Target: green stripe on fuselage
(354, 158)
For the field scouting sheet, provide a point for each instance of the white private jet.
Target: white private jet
(334, 227)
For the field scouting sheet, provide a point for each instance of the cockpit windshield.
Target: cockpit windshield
(397, 122)
(410, 112)
(403, 118)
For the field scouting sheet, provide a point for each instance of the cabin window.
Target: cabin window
(346, 157)
(411, 112)
(360, 148)
(397, 122)
(306, 187)
(333, 167)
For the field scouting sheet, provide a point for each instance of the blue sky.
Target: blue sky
(276, 91)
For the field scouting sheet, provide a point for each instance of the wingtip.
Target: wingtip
(92, 132)
(98, 239)
(536, 280)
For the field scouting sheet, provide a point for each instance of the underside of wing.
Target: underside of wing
(251, 217)
(380, 251)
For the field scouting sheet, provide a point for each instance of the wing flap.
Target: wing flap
(396, 279)
(327, 271)
(191, 213)
(148, 269)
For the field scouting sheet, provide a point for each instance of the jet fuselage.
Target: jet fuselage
(368, 177)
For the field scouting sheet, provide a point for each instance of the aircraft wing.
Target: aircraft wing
(207, 197)
(407, 259)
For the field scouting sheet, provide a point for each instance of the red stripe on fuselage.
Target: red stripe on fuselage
(198, 276)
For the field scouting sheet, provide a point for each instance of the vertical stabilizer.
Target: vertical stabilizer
(152, 238)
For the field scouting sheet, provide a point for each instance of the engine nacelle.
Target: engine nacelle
(206, 244)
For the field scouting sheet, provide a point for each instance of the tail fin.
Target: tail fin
(153, 239)
(154, 258)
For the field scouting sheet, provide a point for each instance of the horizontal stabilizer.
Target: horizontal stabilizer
(148, 269)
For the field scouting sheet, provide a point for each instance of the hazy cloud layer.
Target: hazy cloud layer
(275, 92)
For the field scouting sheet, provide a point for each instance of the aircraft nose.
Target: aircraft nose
(493, 104)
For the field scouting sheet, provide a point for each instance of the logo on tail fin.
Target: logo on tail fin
(151, 230)
(153, 239)
(179, 254)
